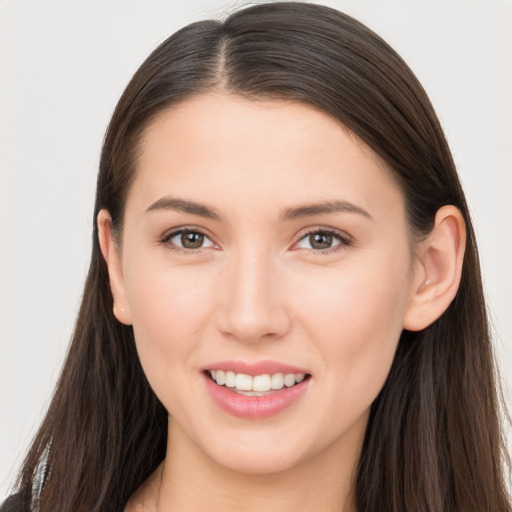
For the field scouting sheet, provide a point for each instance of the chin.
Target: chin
(258, 462)
(261, 451)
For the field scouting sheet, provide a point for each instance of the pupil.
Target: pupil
(320, 240)
(191, 240)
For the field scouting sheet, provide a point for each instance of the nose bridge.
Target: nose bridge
(254, 307)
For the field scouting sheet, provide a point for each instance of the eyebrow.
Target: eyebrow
(300, 212)
(182, 205)
(295, 213)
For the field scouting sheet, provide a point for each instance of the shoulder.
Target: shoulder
(14, 503)
(18, 502)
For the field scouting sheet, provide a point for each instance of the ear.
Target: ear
(113, 259)
(438, 269)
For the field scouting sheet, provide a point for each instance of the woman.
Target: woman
(284, 306)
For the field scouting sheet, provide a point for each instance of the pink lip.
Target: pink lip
(255, 407)
(256, 368)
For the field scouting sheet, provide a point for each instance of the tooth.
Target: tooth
(230, 379)
(277, 381)
(220, 377)
(257, 384)
(261, 383)
(289, 380)
(243, 382)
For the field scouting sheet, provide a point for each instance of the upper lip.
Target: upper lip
(255, 368)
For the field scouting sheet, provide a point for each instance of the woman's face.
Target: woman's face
(263, 243)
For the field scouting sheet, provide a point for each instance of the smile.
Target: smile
(256, 391)
(257, 385)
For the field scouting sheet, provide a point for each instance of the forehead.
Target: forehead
(222, 146)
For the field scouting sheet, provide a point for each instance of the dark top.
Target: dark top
(14, 503)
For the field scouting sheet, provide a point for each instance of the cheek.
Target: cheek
(169, 315)
(166, 299)
(355, 317)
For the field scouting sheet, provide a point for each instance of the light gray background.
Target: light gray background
(63, 66)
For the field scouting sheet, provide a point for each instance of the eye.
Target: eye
(322, 240)
(187, 239)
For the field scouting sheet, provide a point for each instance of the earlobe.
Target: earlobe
(438, 270)
(113, 260)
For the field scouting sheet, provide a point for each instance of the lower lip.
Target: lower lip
(255, 407)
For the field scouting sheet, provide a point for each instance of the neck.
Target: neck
(188, 480)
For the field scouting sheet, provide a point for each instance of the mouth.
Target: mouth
(258, 391)
(257, 385)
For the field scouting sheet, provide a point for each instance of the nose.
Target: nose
(253, 305)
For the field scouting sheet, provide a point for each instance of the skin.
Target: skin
(258, 290)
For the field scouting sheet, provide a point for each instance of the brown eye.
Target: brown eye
(320, 240)
(192, 240)
(187, 239)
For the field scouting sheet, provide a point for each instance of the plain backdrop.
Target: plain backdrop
(63, 66)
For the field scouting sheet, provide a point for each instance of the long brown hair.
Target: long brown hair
(433, 441)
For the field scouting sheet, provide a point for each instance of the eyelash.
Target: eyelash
(166, 239)
(342, 238)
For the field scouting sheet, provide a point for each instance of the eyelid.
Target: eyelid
(345, 239)
(170, 234)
